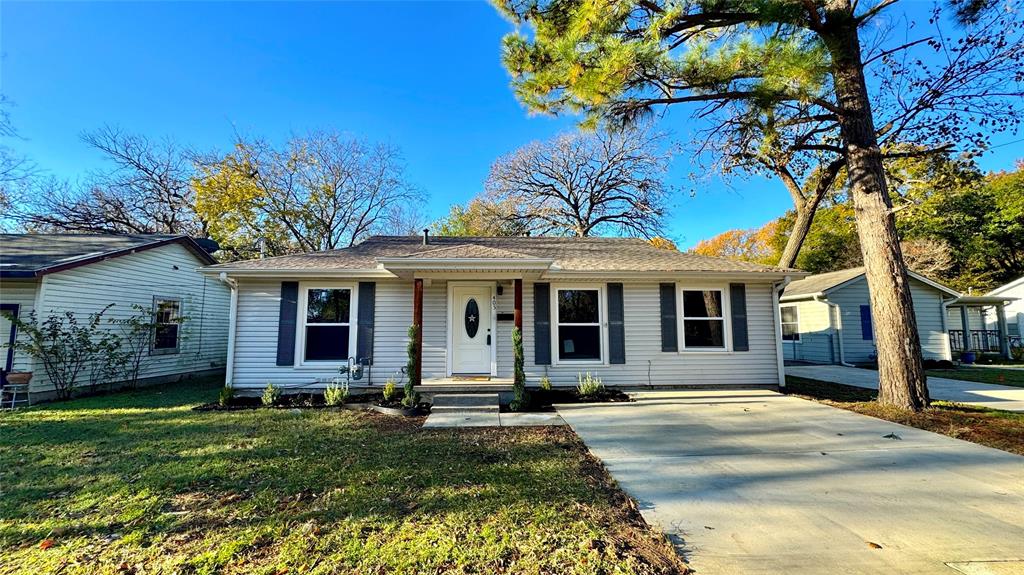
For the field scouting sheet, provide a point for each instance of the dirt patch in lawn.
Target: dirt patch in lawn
(992, 427)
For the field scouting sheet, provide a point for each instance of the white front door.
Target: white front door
(471, 330)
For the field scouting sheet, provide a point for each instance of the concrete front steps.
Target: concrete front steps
(481, 410)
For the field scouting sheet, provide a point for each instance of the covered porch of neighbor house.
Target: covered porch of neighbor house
(970, 326)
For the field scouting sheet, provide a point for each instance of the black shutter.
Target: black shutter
(669, 326)
(542, 324)
(616, 325)
(866, 332)
(364, 326)
(286, 323)
(738, 303)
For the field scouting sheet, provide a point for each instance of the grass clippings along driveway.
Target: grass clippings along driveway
(140, 483)
(992, 427)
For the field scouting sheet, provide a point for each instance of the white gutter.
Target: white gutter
(290, 273)
(838, 329)
(777, 289)
(232, 320)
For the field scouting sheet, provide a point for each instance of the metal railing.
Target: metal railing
(981, 340)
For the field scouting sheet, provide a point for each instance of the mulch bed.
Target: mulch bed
(543, 400)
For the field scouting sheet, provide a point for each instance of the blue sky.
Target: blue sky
(425, 76)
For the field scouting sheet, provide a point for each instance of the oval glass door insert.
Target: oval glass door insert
(472, 318)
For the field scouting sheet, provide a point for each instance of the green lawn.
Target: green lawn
(140, 483)
(992, 427)
(1014, 377)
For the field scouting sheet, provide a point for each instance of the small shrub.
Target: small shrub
(1017, 352)
(390, 389)
(545, 383)
(226, 395)
(271, 395)
(589, 386)
(520, 397)
(411, 400)
(335, 395)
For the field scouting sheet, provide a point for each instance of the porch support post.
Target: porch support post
(517, 311)
(417, 320)
(1004, 342)
(965, 321)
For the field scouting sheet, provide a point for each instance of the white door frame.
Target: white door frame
(494, 323)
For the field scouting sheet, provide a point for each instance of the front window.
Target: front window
(166, 325)
(579, 325)
(790, 323)
(327, 327)
(703, 319)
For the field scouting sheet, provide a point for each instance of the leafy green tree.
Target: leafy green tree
(746, 59)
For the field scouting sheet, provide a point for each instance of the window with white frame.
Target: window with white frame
(579, 324)
(790, 323)
(326, 324)
(703, 319)
(166, 325)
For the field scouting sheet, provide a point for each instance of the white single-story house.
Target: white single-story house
(826, 318)
(51, 274)
(619, 308)
(1013, 311)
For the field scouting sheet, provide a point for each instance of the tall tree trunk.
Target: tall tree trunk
(801, 227)
(900, 371)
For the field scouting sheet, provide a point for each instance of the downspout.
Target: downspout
(232, 319)
(943, 308)
(838, 329)
(777, 289)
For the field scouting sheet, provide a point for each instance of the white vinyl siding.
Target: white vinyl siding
(646, 364)
(818, 342)
(22, 293)
(167, 272)
(259, 306)
(927, 310)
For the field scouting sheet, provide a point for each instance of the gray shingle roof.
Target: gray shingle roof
(569, 254)
(821, 283)
(29, 255)
(818, 283)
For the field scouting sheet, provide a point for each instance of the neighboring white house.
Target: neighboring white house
(1014, 310)
(827, 318)
(619, 308)
(53, 273)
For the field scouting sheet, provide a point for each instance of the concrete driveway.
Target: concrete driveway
(980, 394)
(757, 482)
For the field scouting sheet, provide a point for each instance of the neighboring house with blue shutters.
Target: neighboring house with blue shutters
(630, 313)
(827, 318)
(51, 274)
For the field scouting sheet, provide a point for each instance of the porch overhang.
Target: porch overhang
(981, 300)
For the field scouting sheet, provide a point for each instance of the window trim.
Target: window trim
(726, 318)
(602, 324)
(153, 350)
(300, 325)
(783, 323)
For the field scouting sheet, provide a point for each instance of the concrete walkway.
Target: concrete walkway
(980, 394)
(756, 482)
(481, 410)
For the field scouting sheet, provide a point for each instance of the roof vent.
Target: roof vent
(426, 236)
